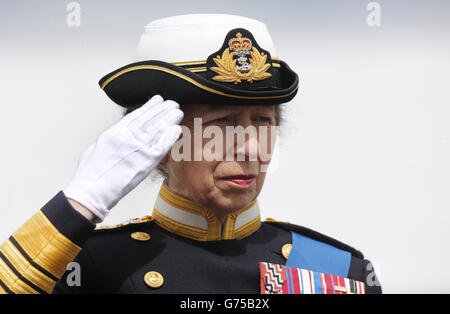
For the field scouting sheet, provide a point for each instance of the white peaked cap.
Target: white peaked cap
(193, 37)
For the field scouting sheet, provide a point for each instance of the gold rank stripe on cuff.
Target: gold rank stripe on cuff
(12, 280)
(21, 265)
(186, 218)
(35, 257)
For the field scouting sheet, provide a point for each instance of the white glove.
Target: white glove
(124, 155)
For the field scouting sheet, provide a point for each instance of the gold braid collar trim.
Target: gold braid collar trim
(186, 218)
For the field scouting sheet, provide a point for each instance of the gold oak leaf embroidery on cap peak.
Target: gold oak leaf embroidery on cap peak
(236, 70)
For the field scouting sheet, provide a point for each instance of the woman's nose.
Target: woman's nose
(247, 147)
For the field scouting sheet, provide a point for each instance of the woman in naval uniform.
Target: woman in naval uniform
(205, 234)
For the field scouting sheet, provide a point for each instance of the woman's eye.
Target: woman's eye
(264, 119)
(222, 120)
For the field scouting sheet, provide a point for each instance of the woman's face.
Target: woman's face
(224, 172)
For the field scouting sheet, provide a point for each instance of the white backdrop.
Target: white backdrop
(365, 152)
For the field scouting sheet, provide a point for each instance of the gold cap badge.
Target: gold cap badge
(241, 61)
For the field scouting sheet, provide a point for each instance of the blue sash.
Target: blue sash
(317, 256)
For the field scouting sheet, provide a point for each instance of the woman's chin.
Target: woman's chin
(230, 202)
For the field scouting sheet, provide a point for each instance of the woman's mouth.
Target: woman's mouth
(240, 181)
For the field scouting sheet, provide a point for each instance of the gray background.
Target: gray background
(365, 152)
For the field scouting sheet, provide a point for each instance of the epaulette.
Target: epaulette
(124, 225)
(315, 235)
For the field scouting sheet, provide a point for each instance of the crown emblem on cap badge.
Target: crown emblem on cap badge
(241, 61)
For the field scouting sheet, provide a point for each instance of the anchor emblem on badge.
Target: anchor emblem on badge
(241, 48)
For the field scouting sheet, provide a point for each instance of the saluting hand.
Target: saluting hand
(124, 155)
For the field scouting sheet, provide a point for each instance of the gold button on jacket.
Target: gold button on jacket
(286, 250)
(153, 279)
(140, 236)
